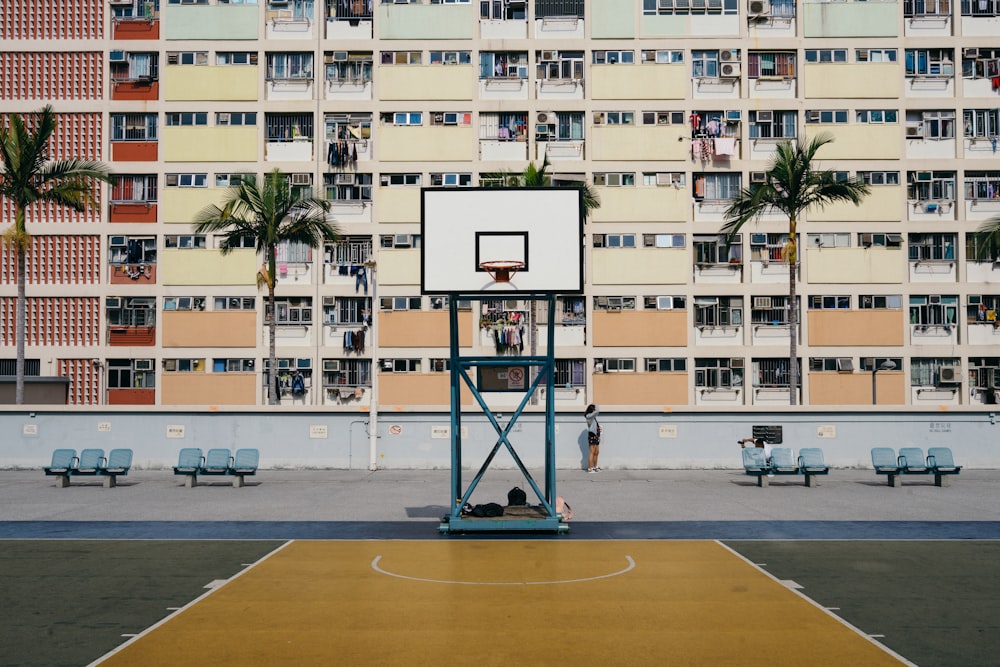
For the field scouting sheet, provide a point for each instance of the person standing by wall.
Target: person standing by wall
(593, 437)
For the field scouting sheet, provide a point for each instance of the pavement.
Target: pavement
(713, 504)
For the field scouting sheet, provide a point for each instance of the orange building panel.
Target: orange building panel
(421, 328)
(134, 151)
(133, 90)
(408, 389)
(655, 390)
(857, 327)
(131, 397)
(136, 29)
(856, 388)
(229, 329)
(133, 274)
(129, 212)
(639, 328)
(129, 336)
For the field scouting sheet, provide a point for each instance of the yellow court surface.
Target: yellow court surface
(502, 602)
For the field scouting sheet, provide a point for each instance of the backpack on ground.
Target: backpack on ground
(517, 496)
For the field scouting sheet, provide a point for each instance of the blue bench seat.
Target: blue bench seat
(218, 461)
(91, 462)
(809, 463)
(911, 461)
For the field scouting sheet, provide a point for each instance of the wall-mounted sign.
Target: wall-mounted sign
(175, 430)
(826, 431)
(318, 431)
(668, 431)
(104, 427)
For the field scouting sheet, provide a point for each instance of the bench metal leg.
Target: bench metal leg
(762, 481)
(190, 481)
(940, 480)
(895, 480)
(62, 481)
(811, 480)
(237, 481)
(110, 481)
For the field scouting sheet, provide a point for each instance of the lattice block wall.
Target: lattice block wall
(53, 321)
(51, 76)
(55, 260)
(84, 380)
(46, 19)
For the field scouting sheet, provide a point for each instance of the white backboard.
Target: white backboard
(461, 227)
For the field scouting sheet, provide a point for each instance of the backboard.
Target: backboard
(463, 227)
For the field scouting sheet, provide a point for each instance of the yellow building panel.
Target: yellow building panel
(639, 328)
(855, 266)
(412, 389)
(856, 388)
(656, 390)
(426, 82)
(210, 144)
(400, 204)
(856, 327)
(207, 267)
(208, 388)
(639, 142)
(643, 204)
(181, 205)
(421, 328)
(399, 267)
(863, 141)
(438, 143)
(642, 82)
(640, 266)
(885, 203)
(209, 329)
(853, 81)
(213, 83)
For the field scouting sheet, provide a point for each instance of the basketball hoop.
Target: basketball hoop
(501, 270)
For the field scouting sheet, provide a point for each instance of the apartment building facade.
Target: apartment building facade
(665, 107)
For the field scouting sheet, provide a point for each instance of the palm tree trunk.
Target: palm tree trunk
(21, 321)
(793, 317)
(272, 328)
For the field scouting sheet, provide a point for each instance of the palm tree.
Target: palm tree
(269, 214)
(792, 187)
(28, 176)
(534, 177)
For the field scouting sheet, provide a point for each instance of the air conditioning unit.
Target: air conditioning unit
(664, 178)
(170, 364)
(845, 365)
(765, 116)
(143, 364)
(513, 59)
(664, 303)
(339, 56)
(550, 55)
(970, 52)
(117, 242)
(117, 57)
(759, 7)
(762, 302)
(758, 177)
(951, 374)
(729, 55)
(113, 302)
(758, 238)
(812, 116)
(439, 118)
(121, 2)
(402, 241)
(598, 118)
(915, 131)
(546, 117)
(736, 362)
(277, 3)
(729, 71)
(733, 116)
(301, 179)
(332, 365)
(343, 179)
(222, 118)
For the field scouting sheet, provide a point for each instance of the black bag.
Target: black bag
(517, 496)
(488, 510)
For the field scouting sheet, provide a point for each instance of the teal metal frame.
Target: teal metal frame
(547, 520)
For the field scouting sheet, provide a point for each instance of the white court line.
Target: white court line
(375, 566)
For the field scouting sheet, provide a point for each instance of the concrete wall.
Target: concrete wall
(420, 441)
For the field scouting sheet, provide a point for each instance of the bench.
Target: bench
(91, 462)
(911, 461)
(809, 463)
(218, 461)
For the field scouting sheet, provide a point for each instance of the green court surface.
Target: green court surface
(71, 602)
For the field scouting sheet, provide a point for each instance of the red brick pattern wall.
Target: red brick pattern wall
(46, 19)
(55, 260)
(51, 76)
(84, 380)
(53, 321)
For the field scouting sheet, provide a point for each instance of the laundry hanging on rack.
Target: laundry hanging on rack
(724, 146)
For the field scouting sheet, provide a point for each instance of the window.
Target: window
(234, 303)
(569, 373)
(401, 57)
(932, 247)
(614, 240)
(134, 188)
(981, 63)
(289, 126)
(496, 10)
(131, 311)
(876, 116)
(399, 303)
(220, 241)
(869, 239)
(347, 310)
(614, 179)
(771, 373)
(869, 364)
(616, 365)
(566, 126)
(688, 7)
(933, 125)
(982, 185)
(819, 302)
(773, 124)
(451, 118)
(393, 180)
(933, 310)
(662, 117)
(400, 365)
(880, 302)
(614, 303)
(344, 373)
(291, 310)
(232, 365)
(715, 250)
(136, 9)
(236, 118)
(402, 118)
(771, 310)
(979, 8)
(662, 56)
(663, 302)
(613, 57)
(350, 250)
(559, 65)
(131, 250)
(451, 57)
(779, 65)
(676, 179)
(981, 123)
(826, 116)
(705, 64)
(289, 66)
(718, 311)
(133, 127)
(614, 118)
(236, 58)
(402, 241)
(839, 364)
(503, 126)
(826, 55)
(829, 240)
(768, 247)
(348, 187)
(716, 186)
(941, 8)
(974, 249)
(875, 55)
(183, 303)
(185, 242)
(294, 252)
(503, 65)
(879, 177)
(131, 374)
(718, 373)
(186, 118)
(664, 365)
(184, 365)
(186, 180)
(664, 241)
(983, 309)
(558, 8)
(187, 57)
(930, 185)
(136, 67)
(984, 372)
(349, 67)
(930, 62)
(451, 180)
(932, 372)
